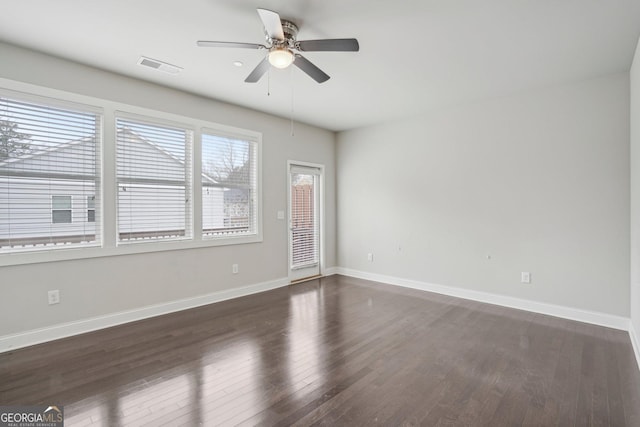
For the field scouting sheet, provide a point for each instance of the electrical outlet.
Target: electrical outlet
(234, 268)
(370, 257)
(525, 277)
(54, 297)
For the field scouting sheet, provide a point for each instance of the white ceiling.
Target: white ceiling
(415, 55)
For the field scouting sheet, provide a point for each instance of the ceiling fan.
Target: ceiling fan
(284, 48)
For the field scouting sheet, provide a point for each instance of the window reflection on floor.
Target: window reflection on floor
(231, 385)
(305, 372)
(223, 385)
(93, 412)
(156, 402)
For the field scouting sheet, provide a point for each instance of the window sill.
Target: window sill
(75, 253)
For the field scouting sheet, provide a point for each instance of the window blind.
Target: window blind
(48, 167)
(229, 186)
(153, 173)
(304, 220)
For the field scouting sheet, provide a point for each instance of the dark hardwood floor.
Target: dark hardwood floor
(335, 351)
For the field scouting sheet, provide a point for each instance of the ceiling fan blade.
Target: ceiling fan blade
(209, 43)
(314, 72)
(258, 72)
(329, 45)
(272, 24)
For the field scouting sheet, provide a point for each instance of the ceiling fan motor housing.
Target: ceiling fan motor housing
(290, 31)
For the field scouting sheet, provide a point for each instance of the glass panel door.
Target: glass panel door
(304, 222)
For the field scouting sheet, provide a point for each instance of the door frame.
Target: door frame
(321, 213)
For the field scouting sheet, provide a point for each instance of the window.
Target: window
(229, 186)
(48, 158)
(91, 209)
(51, 179)
(153, 174)
(61, 209)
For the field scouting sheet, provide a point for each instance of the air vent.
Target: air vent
(159, 65)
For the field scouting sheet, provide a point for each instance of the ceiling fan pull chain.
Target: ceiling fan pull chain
(291, 82)
(269, 82)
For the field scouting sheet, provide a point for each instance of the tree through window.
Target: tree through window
(229, 186)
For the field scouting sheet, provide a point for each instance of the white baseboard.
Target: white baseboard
(37, 336)
(635, 342)
(330, 271)
(596, 318)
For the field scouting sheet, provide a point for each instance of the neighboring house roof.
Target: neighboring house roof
(50, 160)
(33, 162)
(43, 151)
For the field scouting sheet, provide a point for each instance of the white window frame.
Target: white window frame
(57, 99)
(154, 121)
(256, 202)
(106, 197)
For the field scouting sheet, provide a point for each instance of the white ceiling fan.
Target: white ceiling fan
(284, 49)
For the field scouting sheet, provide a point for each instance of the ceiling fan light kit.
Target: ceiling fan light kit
(280, 57)
(284, 49)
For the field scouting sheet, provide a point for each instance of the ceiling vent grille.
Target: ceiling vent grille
(159, 65)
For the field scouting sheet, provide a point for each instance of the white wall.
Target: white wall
(538, 181)
(100, 286)
(635, 197)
